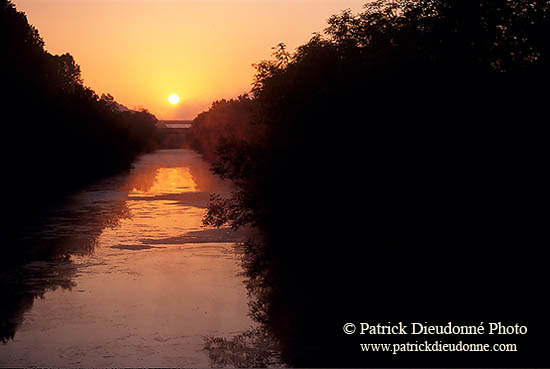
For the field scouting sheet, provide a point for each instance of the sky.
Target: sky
(141, 51)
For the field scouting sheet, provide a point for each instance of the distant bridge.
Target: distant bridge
(174, 133)
(174, 125)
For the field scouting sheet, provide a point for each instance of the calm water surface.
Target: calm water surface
(142, 283)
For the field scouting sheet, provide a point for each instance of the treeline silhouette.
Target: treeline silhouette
(394, 165)
(58, 134)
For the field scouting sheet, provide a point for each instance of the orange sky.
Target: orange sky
(141, 51)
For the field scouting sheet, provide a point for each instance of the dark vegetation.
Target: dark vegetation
(58, 134)
(227, 120)
(394, 165)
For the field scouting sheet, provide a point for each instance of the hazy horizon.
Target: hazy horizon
(143, 51)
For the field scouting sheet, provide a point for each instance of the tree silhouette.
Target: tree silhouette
(55, 124)
(394, 176)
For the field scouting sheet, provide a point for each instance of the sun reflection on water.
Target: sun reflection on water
(156, 282)
(168, 181)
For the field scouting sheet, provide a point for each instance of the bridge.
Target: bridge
(173, 133)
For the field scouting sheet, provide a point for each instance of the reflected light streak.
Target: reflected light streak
(169, 181)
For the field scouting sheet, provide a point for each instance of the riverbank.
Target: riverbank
(59, 135)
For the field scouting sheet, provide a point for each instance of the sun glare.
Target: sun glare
(173, 99)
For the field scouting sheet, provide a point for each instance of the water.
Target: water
(136, 280)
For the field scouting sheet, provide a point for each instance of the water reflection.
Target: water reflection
(20, 288)
(255, 348)
(168, 181)
(43, 255)
(126, 275)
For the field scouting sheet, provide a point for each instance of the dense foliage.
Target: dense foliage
(397, 160)
(227, 120)
(58, 134)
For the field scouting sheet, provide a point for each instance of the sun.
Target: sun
(173, 99)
